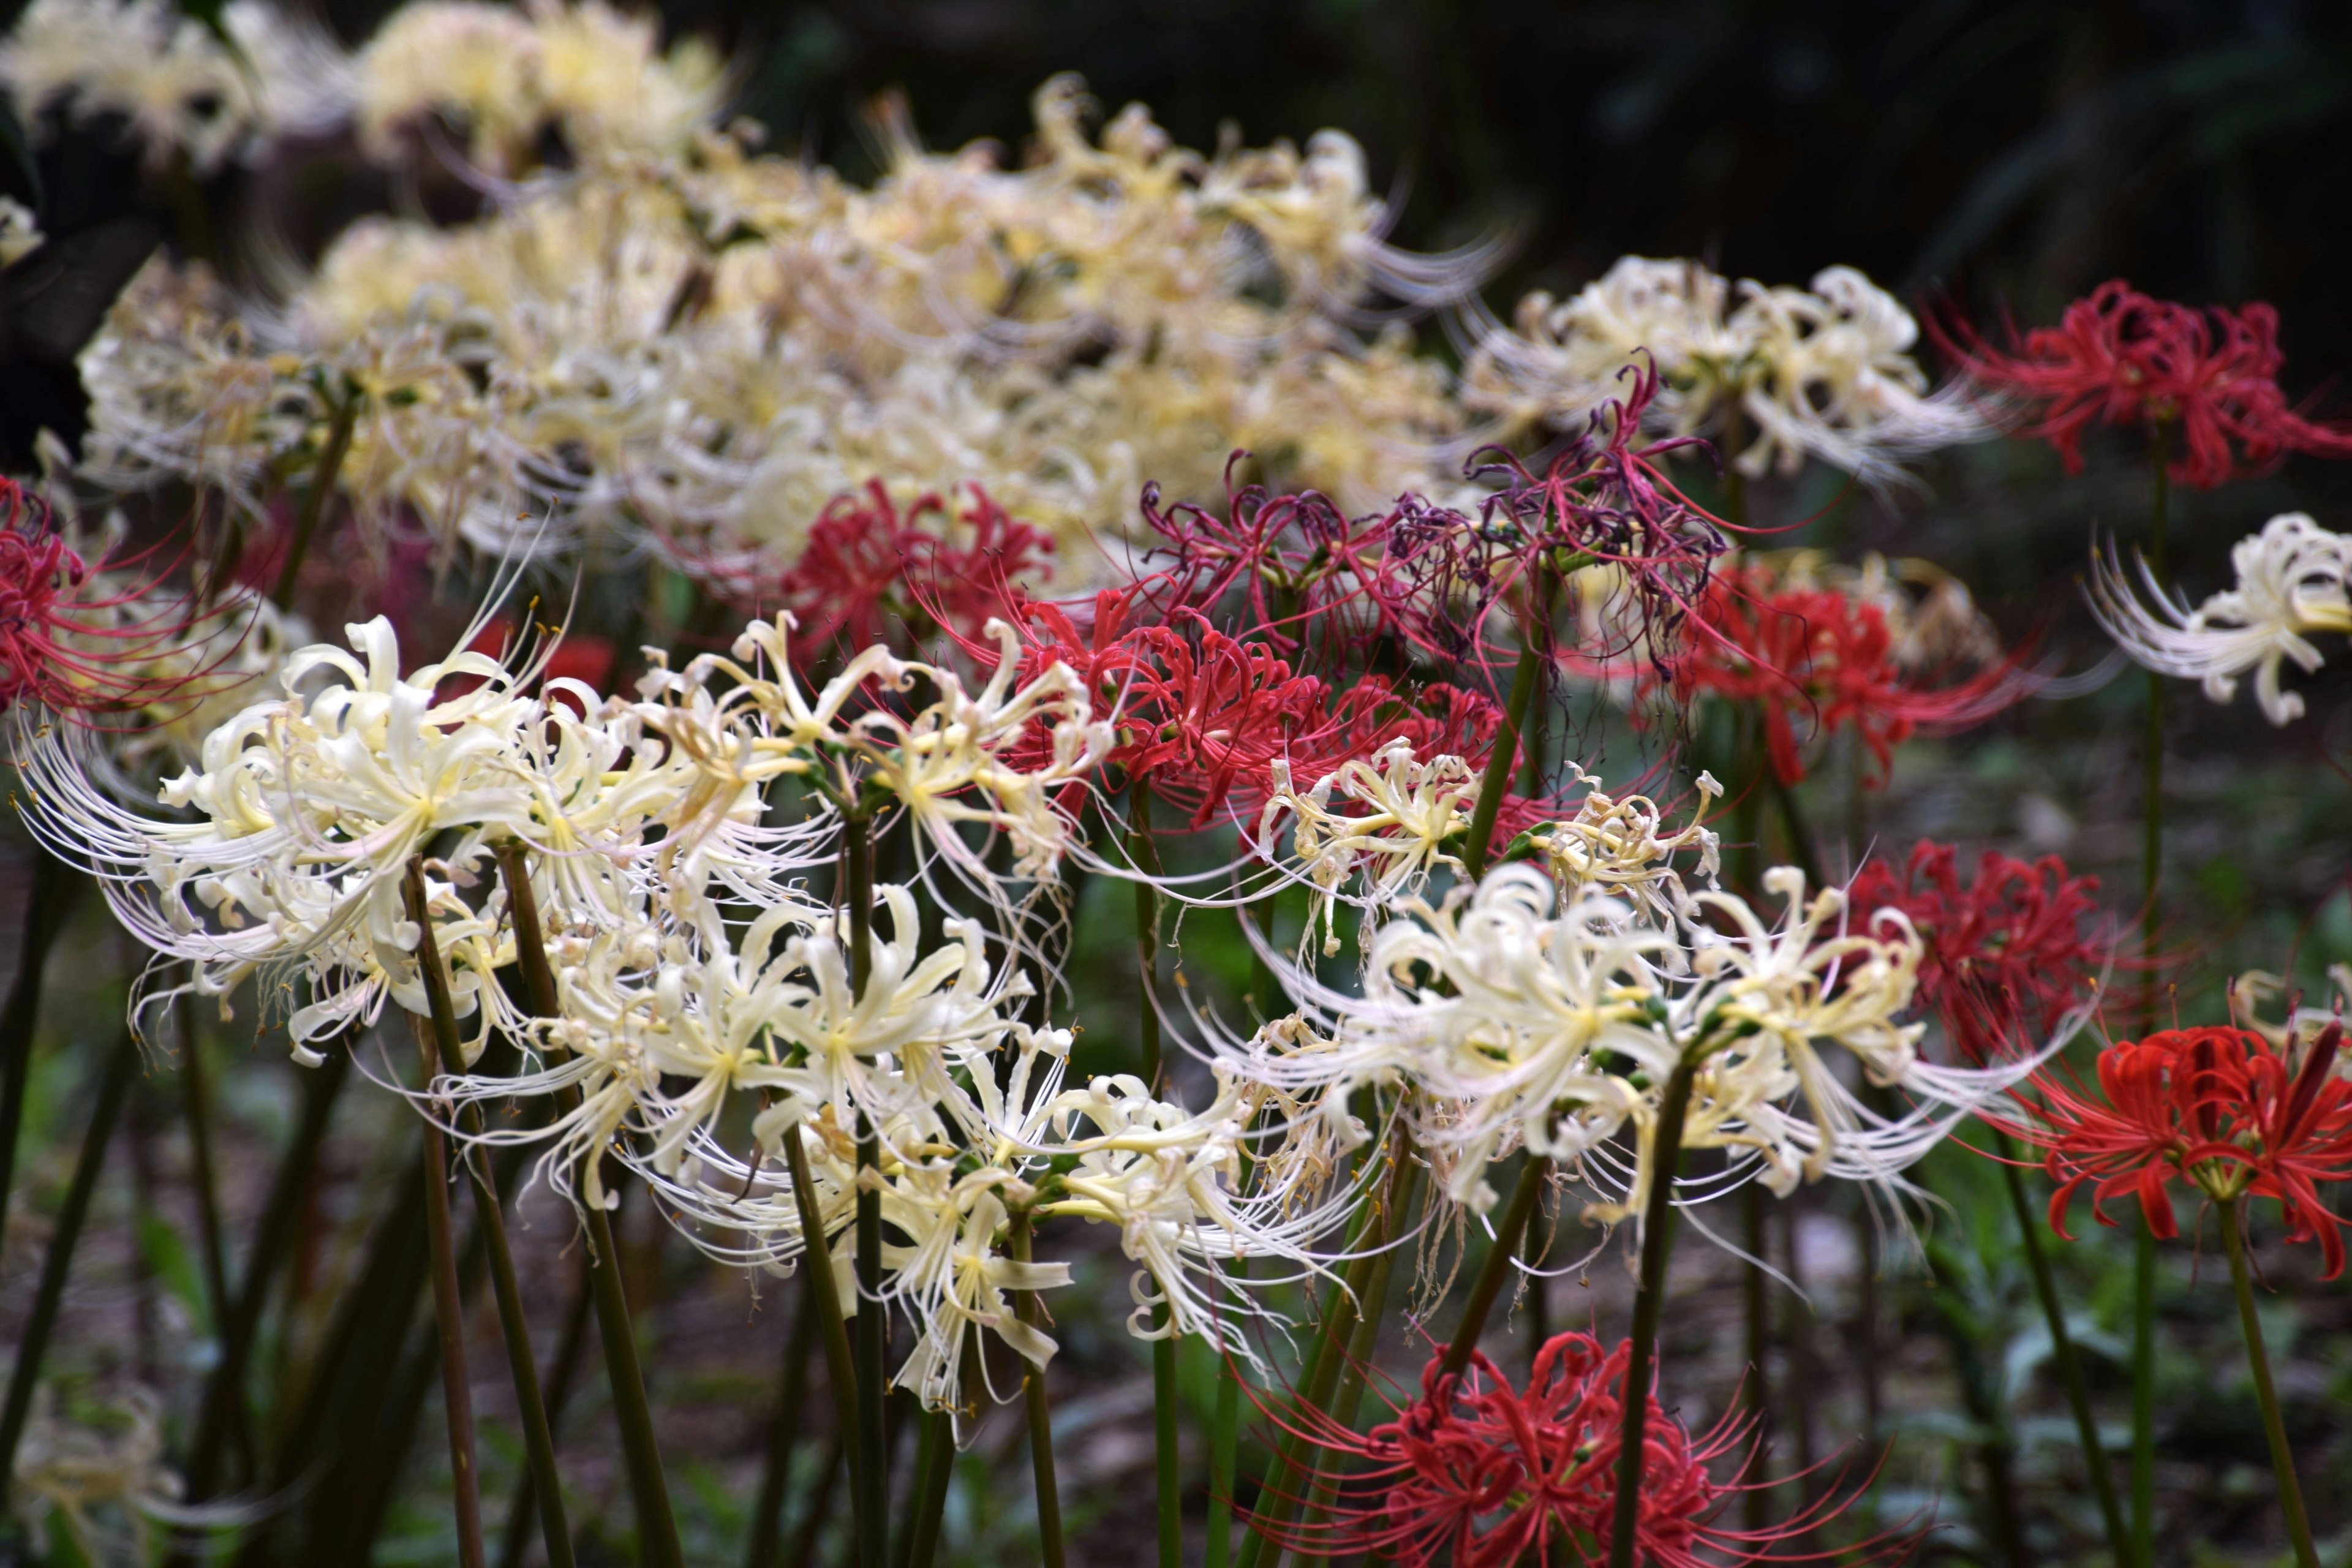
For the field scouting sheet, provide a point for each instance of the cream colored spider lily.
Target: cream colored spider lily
(1618, 847)
(2291, 583)
(1824, 371)
(1396, 818)
(301, 812)
(1172, 1180)
(952, 1276)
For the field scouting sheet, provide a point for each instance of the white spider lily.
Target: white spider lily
(302, 813)
(1173, 1180)
(1826, 372)
(1619, 847)
(2291, 583)
(1396, 816)
(952, 1276)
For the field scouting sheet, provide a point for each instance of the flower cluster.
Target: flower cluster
(2007, 954)
(1824, 371)
(1517, 1016)
(2221, 1108)
(214, 92)
(2122, 358)
(1813, 656)
(685, 343)
(695, 968)
(2294, 579)
(1476, 1472)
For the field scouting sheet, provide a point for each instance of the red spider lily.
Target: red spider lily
(1204, 716)
(2007, 954)
(75, 643)
(1428, 575)
(2122, 358)
(1480, 1475)
(1787, 650)
(2219, 1106)
(868, 563)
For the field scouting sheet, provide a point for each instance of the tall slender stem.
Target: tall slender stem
(1649, 1301)
(870, 1475)
(323, 474)
(1050, 1549)
(1496, 784)
(784, 1426)
(1224, 1450)
(444, 1052)
(1756, 1502)
(33, 1345)
(56, 887)
(2290, 1490)
(1534, 1171)
(450, 1316)
(1144, 853)
(2143, 1367)
(641, 1453)
(524, 1506)
(825, 1295)
(1334, 1328)
(2061, 1350)
(1395, 1216)
(273, 1237)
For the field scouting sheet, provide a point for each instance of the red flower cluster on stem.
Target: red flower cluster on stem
(1203, 716)
(870, 562)
(1819, 653)
(2006, 954)
(2121, 358)
(70, 641)
(1478, 1474)
(2216, 1106)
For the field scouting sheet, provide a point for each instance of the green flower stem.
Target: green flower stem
(489, 1215)
(1145, 855)
(515, 1538)
(1050, 1550)
(1496, 784)
(58, 1262)
(648, 1488)
(870, 1475)
(2290, 1490)
(1365, 1340)
(449, 1315)
(1525, 1194)
(1320, 1376)
(784, 1426)
(323, 474)
(1224, 1450)
(1756, 1502)
(824, 1298)
(1649, 1301)
(2143, 1366)
(273, 1238)
(2061, 1350)
(55, 888)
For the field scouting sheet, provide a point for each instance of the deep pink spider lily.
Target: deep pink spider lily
(2122, 358)
(1812, 661)
(2007, 953)
(870, 564)
(1477, 1474)
(2220, 1107)
(80, 640)
(1311, 579)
